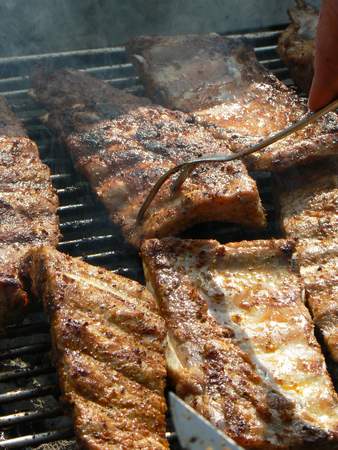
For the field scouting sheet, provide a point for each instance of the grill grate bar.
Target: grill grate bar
(90, 240)
(75, 224)
(61, 176)
(26, 330)
(24, 350)
(71, 190)
(22, 394)
(21, 417)
(72, 207)
(109, 254)
(36, 439)
(25, 373)
(172, 437)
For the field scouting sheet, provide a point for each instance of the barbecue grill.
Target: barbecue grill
(30, 414)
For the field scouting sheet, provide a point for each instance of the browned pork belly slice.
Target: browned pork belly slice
(221, 82)
(308, 199)
(317, 260)
(241, 348)
(124, 146)
(108, 347)
(28, 207)
(296, 43)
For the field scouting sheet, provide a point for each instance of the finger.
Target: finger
(322, 92)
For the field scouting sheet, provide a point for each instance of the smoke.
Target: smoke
(39, 26)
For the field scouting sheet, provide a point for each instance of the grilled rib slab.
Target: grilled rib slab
(28, 207)
(317, 261)
(123, 146)
(296, 43)
(241, 348)
(222, 83)
(108, 346)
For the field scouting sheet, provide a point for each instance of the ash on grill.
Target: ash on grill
(30, 414)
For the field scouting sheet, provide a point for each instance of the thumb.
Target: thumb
(323, 90)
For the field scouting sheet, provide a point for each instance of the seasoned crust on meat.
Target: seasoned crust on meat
(317, 261)
(241, 347)
(108, 347)
(123, 157)
(296, 43)
(308, 198)
(221, 82)
(28, 205)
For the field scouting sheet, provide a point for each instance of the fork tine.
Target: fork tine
(186, 171)
(154, 190)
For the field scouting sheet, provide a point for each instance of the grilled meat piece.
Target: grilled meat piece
(10, 126)
(241, 348)
(108, 346)
(296, 43)
(122, 158)
(317, 260)
(308, 199)
(77, 101)
(28, 207)
(228, 91)
(309, 212)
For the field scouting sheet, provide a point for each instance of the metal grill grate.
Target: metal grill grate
(30, 414)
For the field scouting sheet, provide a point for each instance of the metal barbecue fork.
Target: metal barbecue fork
(188, 166)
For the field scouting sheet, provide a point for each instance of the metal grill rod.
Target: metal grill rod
(25, 373)
(32, 348)
(20, 417)
(21, 394)
(36, 439)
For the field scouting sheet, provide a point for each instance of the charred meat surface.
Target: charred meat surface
(28, 207)
(296, 43)
(108, 347)
(221, 82)
(241, 348)
(123, 157)
(308, 199)
(317, 260)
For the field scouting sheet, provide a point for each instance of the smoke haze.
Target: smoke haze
(39, 26)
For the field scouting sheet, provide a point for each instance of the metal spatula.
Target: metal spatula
(196, 433)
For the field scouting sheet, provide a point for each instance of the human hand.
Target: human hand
(324, 86)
